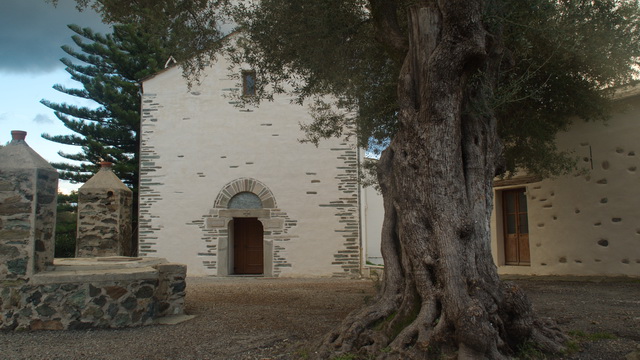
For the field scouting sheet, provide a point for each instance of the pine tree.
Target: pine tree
(109, 70)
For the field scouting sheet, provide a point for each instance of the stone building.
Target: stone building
(231, 190)
(582, 224)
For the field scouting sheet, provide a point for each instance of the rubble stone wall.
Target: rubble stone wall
(27, 221)
(104, 223)
(60, 302)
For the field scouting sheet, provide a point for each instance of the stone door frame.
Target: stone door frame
(222, 219)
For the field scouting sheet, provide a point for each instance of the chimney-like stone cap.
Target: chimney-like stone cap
(18, 135)
(18, 155)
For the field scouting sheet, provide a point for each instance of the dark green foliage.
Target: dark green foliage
(66, 225)
(562, 54)
(559, 57)
(324, 52)
(109, 70)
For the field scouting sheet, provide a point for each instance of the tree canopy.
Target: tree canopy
(561, 56)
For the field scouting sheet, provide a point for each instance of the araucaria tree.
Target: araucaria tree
(109, 68)
(455, 85)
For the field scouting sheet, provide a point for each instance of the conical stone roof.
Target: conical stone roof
(18, 155)
(104, 179)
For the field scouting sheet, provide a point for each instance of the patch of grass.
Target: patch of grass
(529, 351)
(302, 354)
(382, 323)
(406, 321)
(346, 356)
(581, 335)
(572, 347)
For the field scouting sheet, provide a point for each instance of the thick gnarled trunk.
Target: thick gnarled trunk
(441, 292)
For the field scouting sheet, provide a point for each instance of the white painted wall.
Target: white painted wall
(586, 224)
(194, 141)
(373, 215)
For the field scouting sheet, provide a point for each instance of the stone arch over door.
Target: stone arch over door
(275, 225)
(245, 185)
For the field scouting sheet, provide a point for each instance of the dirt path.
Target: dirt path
(253, 318)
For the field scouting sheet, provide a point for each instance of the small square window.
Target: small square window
(249, 83)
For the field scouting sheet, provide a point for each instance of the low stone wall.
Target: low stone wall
(93, 293)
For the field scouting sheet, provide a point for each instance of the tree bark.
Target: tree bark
(441, 293)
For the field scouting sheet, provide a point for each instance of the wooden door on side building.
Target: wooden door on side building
(516, 227)
(248, 248)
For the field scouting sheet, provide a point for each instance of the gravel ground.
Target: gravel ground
(256, 318)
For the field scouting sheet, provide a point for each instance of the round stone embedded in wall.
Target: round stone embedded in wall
(616, 219)
(604, 200)
(603, 242)
(605, 165)
(562, 259)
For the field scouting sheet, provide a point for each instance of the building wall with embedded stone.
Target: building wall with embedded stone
(587, 223)
(199, 148)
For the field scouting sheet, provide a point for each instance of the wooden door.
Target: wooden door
(247, 246)
(516, 227)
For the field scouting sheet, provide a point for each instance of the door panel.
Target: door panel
(516, 227)
(248, 246)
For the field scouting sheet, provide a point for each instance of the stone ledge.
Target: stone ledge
(94, 275)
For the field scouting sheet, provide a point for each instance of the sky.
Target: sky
(31, 34)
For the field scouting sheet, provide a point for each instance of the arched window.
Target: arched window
(245, 200)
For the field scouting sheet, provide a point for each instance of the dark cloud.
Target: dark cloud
(42, 119)
(32, 31)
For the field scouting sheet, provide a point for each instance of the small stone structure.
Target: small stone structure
(28, 191)
(104, 216)
(37, 292)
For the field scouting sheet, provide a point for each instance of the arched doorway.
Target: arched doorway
(246, 204)
(248, 246)
(247, 235)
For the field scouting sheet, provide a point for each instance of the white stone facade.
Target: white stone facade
(199, 150)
